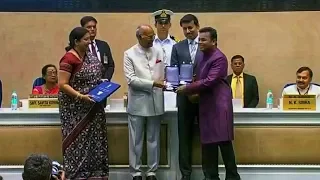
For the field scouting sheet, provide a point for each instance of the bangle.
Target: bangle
(78, 96)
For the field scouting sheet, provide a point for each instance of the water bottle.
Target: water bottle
(14, 101)
(269, 99)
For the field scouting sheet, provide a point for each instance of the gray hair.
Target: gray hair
(140, 28)
(138, 32)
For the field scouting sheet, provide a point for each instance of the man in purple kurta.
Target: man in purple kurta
(215, 107)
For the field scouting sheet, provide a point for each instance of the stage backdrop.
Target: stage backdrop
(274, 44)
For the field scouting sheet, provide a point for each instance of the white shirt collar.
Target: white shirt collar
(94, 41)
(157, 38)
(195, 40)
(308, 88)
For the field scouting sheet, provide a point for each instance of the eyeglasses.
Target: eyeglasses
(149, 37)
(50, 73)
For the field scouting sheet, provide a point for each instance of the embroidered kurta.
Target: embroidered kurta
(215, 98)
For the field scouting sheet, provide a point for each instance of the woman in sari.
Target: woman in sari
(84, 127)
(49, 74)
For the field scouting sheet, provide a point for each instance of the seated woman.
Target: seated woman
(49, 73)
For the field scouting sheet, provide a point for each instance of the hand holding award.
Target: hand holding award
(174, 78)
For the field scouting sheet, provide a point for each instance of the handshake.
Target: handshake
(164, 85)
(159, 84)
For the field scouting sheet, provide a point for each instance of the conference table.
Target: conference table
(269, 143)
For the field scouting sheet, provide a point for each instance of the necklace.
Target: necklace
(46, 90)
(81, 58)
(305, 92)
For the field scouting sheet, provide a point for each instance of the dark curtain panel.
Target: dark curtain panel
(152, 5)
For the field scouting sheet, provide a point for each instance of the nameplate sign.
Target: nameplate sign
(43, 103)
(43, 96)
(299, 103)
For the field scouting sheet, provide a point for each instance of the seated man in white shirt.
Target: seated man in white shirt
(303, 84)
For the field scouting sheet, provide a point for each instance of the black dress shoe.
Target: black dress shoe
(137, 178)
(185, 178)
(151, 178)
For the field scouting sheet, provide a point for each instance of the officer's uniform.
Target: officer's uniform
(163, 17)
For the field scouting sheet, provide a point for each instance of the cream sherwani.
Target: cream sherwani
(145, 105)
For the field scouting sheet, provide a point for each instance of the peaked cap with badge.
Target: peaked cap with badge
(163, 16)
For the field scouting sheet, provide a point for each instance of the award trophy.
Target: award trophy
(172, 78)
(186, 73)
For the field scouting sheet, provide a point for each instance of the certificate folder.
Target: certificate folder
(103, 90)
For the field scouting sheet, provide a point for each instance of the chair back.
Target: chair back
(287, 85)
(38, 82)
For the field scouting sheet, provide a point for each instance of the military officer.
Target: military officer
(163, 40)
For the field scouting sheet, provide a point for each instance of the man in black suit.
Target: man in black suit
(186, 51)
(244, 86)
(99, 48)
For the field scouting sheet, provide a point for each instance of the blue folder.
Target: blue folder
(104, 90)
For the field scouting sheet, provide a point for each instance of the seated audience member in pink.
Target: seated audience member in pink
(49, 73)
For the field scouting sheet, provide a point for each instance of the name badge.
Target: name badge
(43, 103)
(105, 59)
(299, 103)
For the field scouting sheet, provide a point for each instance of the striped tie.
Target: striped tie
(93, 49)
(193, 50)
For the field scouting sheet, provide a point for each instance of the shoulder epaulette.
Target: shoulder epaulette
(173, 38)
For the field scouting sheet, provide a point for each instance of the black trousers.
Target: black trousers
(187, 115)
(210, 161)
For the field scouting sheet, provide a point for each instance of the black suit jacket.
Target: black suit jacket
(181, 54)
(105, 50)
(251, 92)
